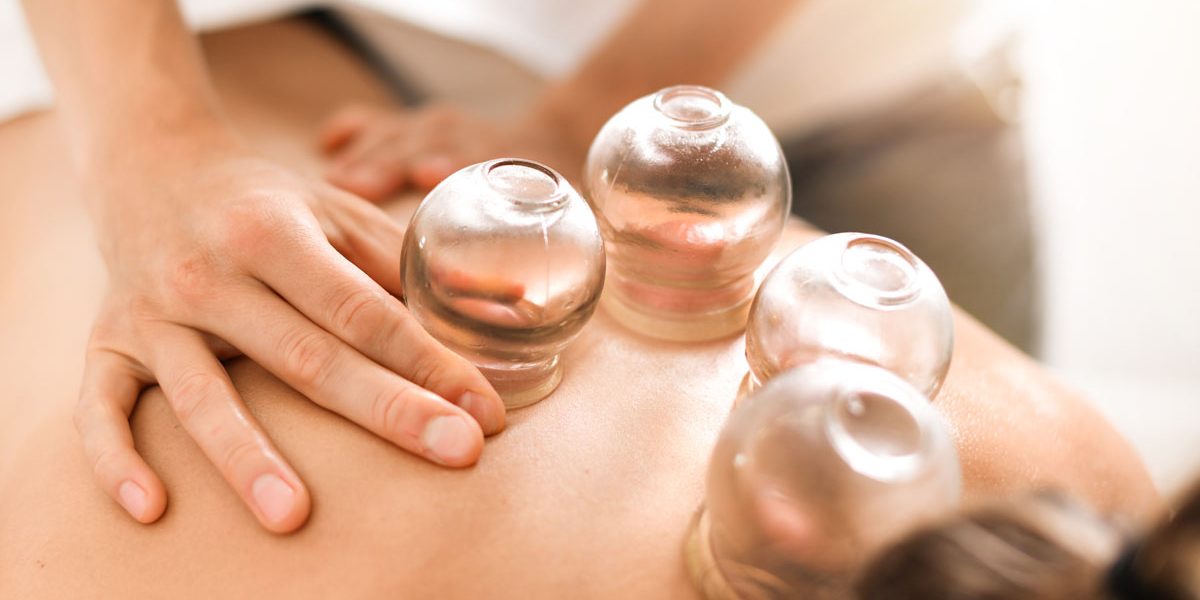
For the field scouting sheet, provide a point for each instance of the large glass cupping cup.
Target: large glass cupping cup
(856, 296)
(692, 193)
(825, 464)
(503, 263)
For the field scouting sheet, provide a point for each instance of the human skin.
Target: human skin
(212, 251)
(376, 151)
(586, 494)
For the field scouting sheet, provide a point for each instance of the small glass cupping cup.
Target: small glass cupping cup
(855, 296)
(692, 192)
(820, 467)
(503, 263)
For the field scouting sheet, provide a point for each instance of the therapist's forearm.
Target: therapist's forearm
(662, 42)
(129, 77)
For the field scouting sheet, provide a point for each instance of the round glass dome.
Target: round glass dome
(824, 464)
(692, 192)
(855, 296)
(503, 263)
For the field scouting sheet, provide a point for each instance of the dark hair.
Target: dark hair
(1041, 546)
(1166, 565)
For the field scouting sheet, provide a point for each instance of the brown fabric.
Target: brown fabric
(943, 174)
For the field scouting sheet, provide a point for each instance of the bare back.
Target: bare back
(588, 493)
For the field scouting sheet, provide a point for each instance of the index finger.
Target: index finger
(333, 293)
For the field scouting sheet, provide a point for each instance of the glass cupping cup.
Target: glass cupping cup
(821, 466)
(855, 296)
(692, 192)
(503, 263)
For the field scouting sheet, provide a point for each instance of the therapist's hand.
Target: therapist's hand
(377, 152)
(217, 252)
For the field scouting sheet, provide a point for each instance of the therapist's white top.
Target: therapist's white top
(825, 55)
(548, 36)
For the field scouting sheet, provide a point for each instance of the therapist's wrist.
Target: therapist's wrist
(155, 141)
(548, 137)
(140, 170)
(575, 110)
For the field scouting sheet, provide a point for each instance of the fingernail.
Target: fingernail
(449, 439)
(489, 414)
(133, 498)
(275, 499)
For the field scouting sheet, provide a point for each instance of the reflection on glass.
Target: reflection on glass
(823, 465)
(692, 193)
(855, 296)
(503, 263)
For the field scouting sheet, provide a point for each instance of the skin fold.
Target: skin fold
(587, 493)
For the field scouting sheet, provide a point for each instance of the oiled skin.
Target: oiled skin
(586, 494)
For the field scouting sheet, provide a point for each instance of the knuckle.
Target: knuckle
(236, 453)
(191, 277)
(389, 414)
(360, 312)
(433, 366)
(251, 223)
(429, 368)
(308, 356)
(107, 464)
(191, 392)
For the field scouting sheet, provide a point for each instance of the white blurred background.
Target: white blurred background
(1112, 118)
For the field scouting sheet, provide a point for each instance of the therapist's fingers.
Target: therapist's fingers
(420, 151)
(333, 293)
(428, 171)
(335, 376)
(356, 167)
(210, 409)
(343, 126)
(366, 235)
(110, 389)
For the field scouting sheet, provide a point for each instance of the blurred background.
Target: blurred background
(1111, 130)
